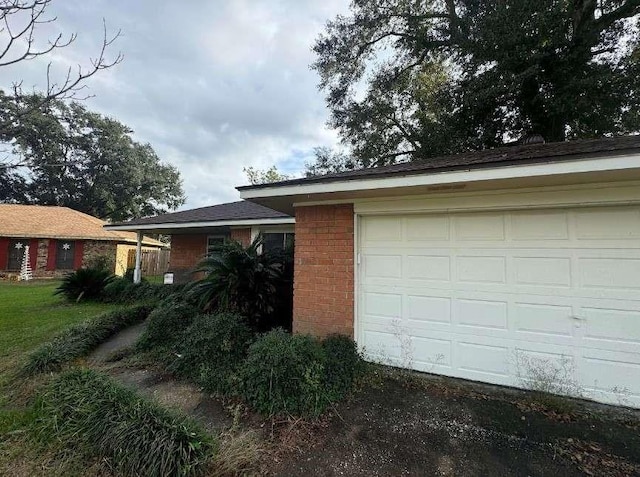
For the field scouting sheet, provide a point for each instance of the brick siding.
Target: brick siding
(241, 235)
(91, 249)
(186, 251)
(323, 270)
(94, 250)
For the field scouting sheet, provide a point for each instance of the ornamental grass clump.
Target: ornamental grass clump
(103, 419)
(81, 339)
(165, 324)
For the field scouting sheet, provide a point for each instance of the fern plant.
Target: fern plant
(84, 283)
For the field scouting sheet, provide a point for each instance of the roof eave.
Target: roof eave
(433, 178)
(203, 224)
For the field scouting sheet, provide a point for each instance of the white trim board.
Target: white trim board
(540, 197)
(438, 178)
(191, 225)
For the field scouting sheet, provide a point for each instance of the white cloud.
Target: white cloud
(214, 87)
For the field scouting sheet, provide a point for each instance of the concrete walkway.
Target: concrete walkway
(121, 341)
(156, 384)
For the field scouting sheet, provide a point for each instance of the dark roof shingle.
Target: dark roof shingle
(241, 210)
(498, 157)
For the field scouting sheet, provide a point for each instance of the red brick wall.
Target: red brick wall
(241, 235)
(43, 264)
(323, 270)
(187, 250)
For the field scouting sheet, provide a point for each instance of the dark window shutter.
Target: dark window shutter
(33, 253)
(51, 255)
(78, 254)
(4, 253)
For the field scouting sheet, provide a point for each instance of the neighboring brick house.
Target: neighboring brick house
(195, 232)
(485, 265)
(60, 240)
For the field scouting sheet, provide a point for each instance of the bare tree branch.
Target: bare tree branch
(19, 22)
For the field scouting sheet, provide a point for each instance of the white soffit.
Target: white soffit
(614, 163)
(191, 225)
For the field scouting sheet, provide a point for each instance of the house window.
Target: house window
(214, 241)
(276, 242)
(16, 254)
(64, 254)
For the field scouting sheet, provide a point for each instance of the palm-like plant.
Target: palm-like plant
(84, 283)
(239, 279)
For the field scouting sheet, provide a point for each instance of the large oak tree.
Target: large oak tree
(83, 160)
(409, 79)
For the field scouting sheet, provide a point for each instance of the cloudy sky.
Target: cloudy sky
(213, 85)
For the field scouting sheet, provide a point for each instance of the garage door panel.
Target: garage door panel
(611, 273)
(481, 269)
(483, 359)
(381, 346)
(388, 305)
(431, 352)
(482, 314)
(527, 226)
(429, 267)
(428, 309)
(611, 329)
(429, 228)
(608, 224)
(545, 271)
(384, 229)
(465, 295)
(383, 266)
(543, 320)
(612, 372)
(485, 227)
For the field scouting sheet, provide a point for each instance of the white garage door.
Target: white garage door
(547, 298)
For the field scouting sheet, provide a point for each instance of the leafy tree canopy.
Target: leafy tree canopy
(63, 154)
(329, 161)
(411, 79)
(264, 176)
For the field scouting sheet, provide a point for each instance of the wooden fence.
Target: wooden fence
(153, 262)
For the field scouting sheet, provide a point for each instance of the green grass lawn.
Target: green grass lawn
(30, 314)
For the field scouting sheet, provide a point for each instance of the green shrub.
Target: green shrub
(212, 350)
(105, 262)
(239, 279)
(343, 364)
(80, 339)
(166, 323)
(285, 374)
(103, 419)
(121, 290)
(87, 283)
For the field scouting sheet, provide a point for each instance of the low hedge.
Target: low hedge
(343, 365)
(121, 290)
(211, 351)
(80, 339)
(103, 419)
(298, 374)
(166, 323)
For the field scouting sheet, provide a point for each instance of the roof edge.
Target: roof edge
(201, 224)
(494, 171)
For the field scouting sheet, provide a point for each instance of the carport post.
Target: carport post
(137, 275)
